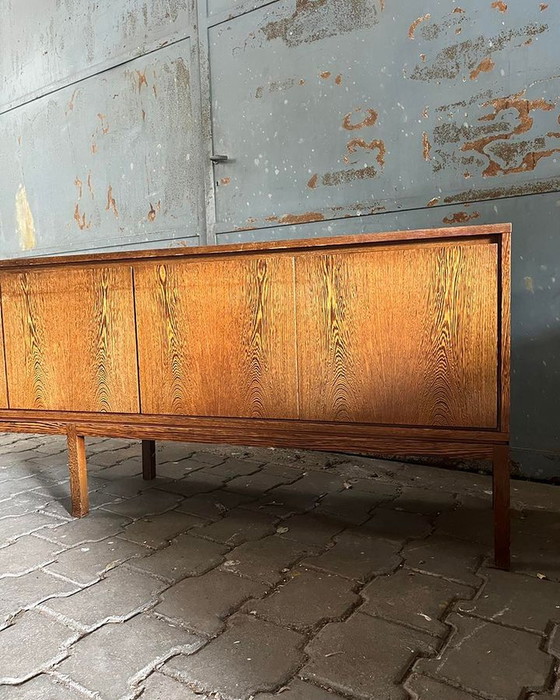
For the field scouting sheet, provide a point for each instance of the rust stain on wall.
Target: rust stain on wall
(153, 211)
(485, 66)
(314, 20)
(78, 184)
(376, 144)
(104, 125)
(141, 79)
(543, 6)
(504, 156)
(297, 218)
(80, 218)
(426, 146)
(415, 24)
(539, 187)
(325, 74)
(225, 181)
(24, 220)
(461, 217)
(278, 86)
(343, 176)
(500, 6)
(94, 148)
(433, 202)
(90, 188)
(369, 119)
(338, 79)
(111, 204)
(312, 182)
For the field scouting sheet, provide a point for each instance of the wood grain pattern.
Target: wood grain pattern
(78, 472)
(406, 337)
(3, 379)
(217, 337)
(70, 339)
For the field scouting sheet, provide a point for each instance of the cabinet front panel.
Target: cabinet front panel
(70, 339)
(399, 336)
(217, 337)
(3, 383)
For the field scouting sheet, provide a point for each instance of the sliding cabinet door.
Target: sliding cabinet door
(70, 340)
(404, 335)
(216, 337)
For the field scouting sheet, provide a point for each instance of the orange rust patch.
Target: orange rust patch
(415, 24)
(312, 182)
(111, 204)
(376, 144)
(81, 219)
(525, 123)
(341, 177)
(433, 202)
(302, 81)
(225, 180)
(458, 10)
(338, 79)
(485, 66)
(426, 146)
(369, 120)
(500, 5)
(543, 6)
(297, 218)
(326, 74)
(90, 188)
(153, 212)
(461, 217)
(93, 148)
(141, 79)
(78, 184)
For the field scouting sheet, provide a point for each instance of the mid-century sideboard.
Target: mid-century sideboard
(389, 343)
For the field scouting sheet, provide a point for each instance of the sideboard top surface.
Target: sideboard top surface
(264, 247)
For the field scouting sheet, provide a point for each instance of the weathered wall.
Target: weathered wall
(338, 116)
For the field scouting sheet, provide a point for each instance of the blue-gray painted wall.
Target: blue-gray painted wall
(338, 116)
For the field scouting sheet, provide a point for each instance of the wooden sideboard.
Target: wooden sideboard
(391, 343)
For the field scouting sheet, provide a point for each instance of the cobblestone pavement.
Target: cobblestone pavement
(261, 573)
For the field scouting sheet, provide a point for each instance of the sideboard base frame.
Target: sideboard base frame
(395, 442)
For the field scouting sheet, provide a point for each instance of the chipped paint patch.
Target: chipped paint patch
(80, 218)
(225, 181)
(312, 182)
(485, 66)
(297, 218)
(153, 211)
(24, 220)
(543, 6)
(500, 6)
(338, 79)
(426, 146)
(433, 202)
(415, 24)
(368, 120)
(111, 203)
(461, 217)
(343, 176)
(325, 74)
(78, 184)
(354, 144)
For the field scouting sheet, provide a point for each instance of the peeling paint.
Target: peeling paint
(415, 24)
(485, 66)
(343, 176)
(461, 217)
(24, 220)
(312, 182)
(90, 188)
(426, 146)
(369, 119)
(543, 6)
(153, 211)
(338, 79)
(297, 218)
(500, 6)
(325, 74)
(376, 144)
(80, 218)
(142, 80)
(225, 181)
(433, 202)
(111, 204)
(78, 184)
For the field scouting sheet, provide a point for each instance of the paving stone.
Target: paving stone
(485, 657)
(25, 592)
(116, 597)
(357, 556)
(128, 487)
(97, 526)
(13, 527)
(126, 652)
(26, 554)
(299, 690)
(265, 560)
(364, 657)
(238, 526)
(212, 506)
(527, 495)
(95, 445)
(283, 501)
(450, 480)
(173, 451)
(175, 470)
(202, 603)
(209, 458)
(127, 468)
(310, 528)
(307, 599)
(25, 502)
(423, 688)
(33, 643)
(199, 482)
(286, 471)
(232, 467)
(413, 500)
(185, 556)
(87, 562)
(378, 490)
(42, 687)
(160, 687)
(393, 525)
(254, 485)
(158, 530)
(473, 521)
(520, 601)
(444, 556)
(250, 656)
(153, 502)
(348, 506)
(413, 599)
(108, 457)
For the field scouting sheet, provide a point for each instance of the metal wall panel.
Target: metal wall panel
(113, 159)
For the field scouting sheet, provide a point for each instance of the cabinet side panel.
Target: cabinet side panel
(70, 339)
(399, 336)
(217, 337)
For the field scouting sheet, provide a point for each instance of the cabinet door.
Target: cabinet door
(217, 337)
(70, 340)
(401, 335)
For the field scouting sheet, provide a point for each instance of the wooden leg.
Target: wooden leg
(149, 459)
(501, 500)
(78, 473)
